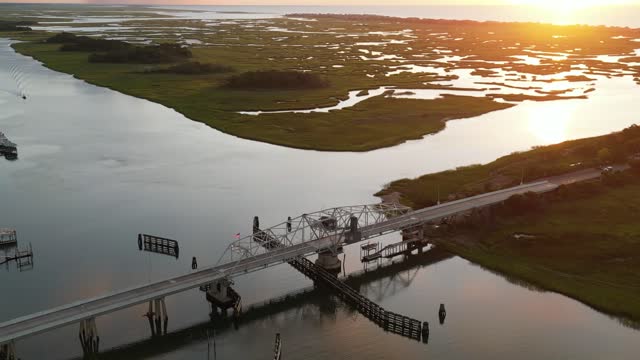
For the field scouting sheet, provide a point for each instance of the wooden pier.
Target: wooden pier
(23, 259)
(392, 250)
(8, 149)
(8, 237)
(389, 321)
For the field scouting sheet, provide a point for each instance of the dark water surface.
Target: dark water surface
(97, 167)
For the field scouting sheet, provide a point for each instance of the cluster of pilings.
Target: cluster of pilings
(157, 316)
(322, 272)
(8, 351)
(89, 339)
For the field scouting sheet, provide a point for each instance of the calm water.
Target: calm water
(97, 167)
(609, 15)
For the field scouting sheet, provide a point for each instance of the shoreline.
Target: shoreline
(582, 239)
(465, 246)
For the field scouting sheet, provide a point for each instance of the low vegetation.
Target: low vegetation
(71, 42)
(276, 79)
(153, 54)
(115, 51)
(375, 122)
(194, 68)
(15, 25)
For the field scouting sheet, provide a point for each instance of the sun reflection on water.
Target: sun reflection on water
(550, 123)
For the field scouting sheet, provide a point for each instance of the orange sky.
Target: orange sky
(545, 3)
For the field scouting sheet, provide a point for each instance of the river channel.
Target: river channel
(97, 167)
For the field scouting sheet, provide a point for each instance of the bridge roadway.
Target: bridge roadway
(104, 304)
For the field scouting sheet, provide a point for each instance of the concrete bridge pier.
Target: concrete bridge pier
(158, 317)
(8, 351)
(89, 338)
(329, 261)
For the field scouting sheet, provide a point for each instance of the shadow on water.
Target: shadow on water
(307, 299)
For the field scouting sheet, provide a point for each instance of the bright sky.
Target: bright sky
(551, 4)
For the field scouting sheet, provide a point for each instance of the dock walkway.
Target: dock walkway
(8, 149)
(8, 237)
(389, 321)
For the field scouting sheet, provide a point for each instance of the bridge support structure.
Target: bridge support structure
(221, 296)
(8, 351)
(158, 317)
(329, 261)
(89, 338)
(415, 238)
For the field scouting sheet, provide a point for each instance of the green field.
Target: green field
(588, 249)
(376, 122)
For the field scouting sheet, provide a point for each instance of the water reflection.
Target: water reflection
(550, 123)
(308, 304)
(84, 173)
(626, 322)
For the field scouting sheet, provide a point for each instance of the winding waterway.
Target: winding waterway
(97, 167)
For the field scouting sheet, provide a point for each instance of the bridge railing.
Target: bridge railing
(328, 224)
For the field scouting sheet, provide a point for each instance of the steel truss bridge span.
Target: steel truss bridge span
(305, 235)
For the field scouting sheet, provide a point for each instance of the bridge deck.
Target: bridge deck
(75, 312)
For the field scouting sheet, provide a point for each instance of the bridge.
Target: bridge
(322, 232)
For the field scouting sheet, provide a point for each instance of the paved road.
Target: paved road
(75, 312)
(581, 175)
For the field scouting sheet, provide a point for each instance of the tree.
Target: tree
(634, 162)
(604, 156)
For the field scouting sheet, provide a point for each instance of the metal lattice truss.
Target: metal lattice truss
(322, 230)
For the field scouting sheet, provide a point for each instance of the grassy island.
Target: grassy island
(290, 63)
(194, 68)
